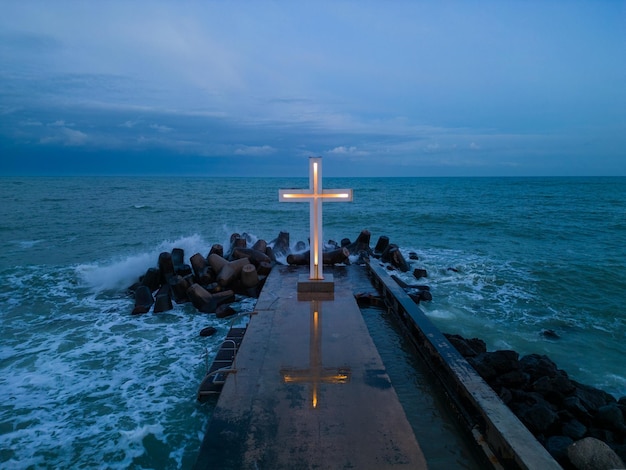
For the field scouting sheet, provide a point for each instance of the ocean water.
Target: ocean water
(85, 383)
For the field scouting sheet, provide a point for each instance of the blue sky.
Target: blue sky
(254, 88)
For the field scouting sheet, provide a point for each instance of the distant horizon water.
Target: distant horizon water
(85, 382)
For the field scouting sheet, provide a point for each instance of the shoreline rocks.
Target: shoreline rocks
(559, 411)
(243, 270)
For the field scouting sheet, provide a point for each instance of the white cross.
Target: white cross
(315, 195)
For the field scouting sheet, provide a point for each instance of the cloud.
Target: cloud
(66, 136)
(343, 150)
(229, 80)
(254, 150)
(160, 128)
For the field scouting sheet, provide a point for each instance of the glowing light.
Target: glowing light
(316, 373)
(315, 195)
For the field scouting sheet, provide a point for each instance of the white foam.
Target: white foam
(121, 273)
(28, 243)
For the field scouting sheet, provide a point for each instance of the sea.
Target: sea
(536, 264)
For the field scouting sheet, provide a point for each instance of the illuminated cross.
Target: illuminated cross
(315, 195)
(316, 373)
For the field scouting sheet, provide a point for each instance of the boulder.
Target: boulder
(163, 301)
(280, 246)
(362, 243)
(419, 273)
(260, 245)
(143, 300)
(178, 259)
(201, 269)
(152, 279)
(179, 287)
(256, 257)
(538, 418)
(166, 266)
(216, 249)
(557, 446)
(610, 417)
(202, 299)
(208, 331)
(592, 398)
(249, 276)
(574, 429)
(592, 454)
(538, 366)
(393, 256)
(224, 311)
(381, 245)
(230, 271)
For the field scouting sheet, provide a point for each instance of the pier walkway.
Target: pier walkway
(310, 389)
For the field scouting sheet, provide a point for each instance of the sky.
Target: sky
(253, 88)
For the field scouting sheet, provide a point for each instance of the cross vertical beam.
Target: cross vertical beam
(315, 196)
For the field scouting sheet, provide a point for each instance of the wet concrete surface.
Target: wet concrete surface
(310, 389)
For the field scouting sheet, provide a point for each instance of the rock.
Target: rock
(338, 256)
(178, 259)
(413, 256)
(224, 311)
(179, 287)
(260, 245)
(216, 249)
(152, 279)
(502, 361)
(551, 334)
(280, 245)
(538, 366)
(166, 266)
(557, 446)
(208, 331)
(381, 245)
(264, 269)
(610, 417)
(419, 273)
(574, 429)
(362, 243)
(462, 346)
(202, 299)
(230, 271)
(256, 257)
(269, 251)
(393, 256)
(217, 262)
(143, 300)
(592, 398)
(554, 389)
(592, 454)
(163, 301)
(249, 276)
(538, 418)
(201, 269)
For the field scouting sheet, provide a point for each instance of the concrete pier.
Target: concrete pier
(310, 389)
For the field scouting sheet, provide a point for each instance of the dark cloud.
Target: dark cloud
(406, 89)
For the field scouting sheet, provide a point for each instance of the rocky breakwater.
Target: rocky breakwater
(581, 426)
(360, 250)
(210, 282)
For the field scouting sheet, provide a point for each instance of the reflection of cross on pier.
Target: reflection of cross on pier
(316, 373)
(315, 195)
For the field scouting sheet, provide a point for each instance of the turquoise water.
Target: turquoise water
(85, 383)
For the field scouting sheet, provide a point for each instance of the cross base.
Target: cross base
(305, 284)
